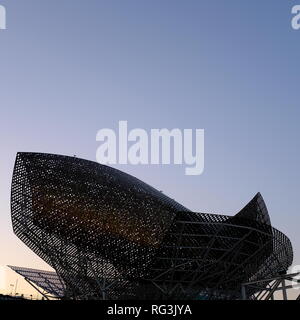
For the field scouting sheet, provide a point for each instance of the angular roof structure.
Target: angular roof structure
(48, 281)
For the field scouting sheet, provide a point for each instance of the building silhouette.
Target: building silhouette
(109, 235)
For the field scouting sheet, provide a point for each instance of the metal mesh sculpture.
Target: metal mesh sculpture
(108, 235)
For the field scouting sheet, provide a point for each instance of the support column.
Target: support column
(284, 293)
(244, 294)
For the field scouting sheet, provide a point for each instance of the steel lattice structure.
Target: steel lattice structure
(51, 284)
(109, 235)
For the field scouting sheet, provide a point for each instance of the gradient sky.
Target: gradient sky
(69, 68)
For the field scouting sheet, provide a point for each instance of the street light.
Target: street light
(12, 287)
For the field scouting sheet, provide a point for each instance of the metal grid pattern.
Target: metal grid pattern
(213, 254)
(256, 210)
(88, 220)
(48, 281)
(109, 235)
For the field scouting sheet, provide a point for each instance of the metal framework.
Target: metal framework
(109, 235)
(266, 289)
(47, 283)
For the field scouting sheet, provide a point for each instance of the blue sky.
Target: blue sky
(69, 68)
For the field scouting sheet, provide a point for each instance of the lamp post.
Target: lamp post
(12, 287)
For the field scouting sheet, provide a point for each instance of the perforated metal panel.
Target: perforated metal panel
(87, 219)
(110, 236)
(49, 281)
(256, 210)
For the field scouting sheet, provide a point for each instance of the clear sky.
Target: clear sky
(69, 68)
